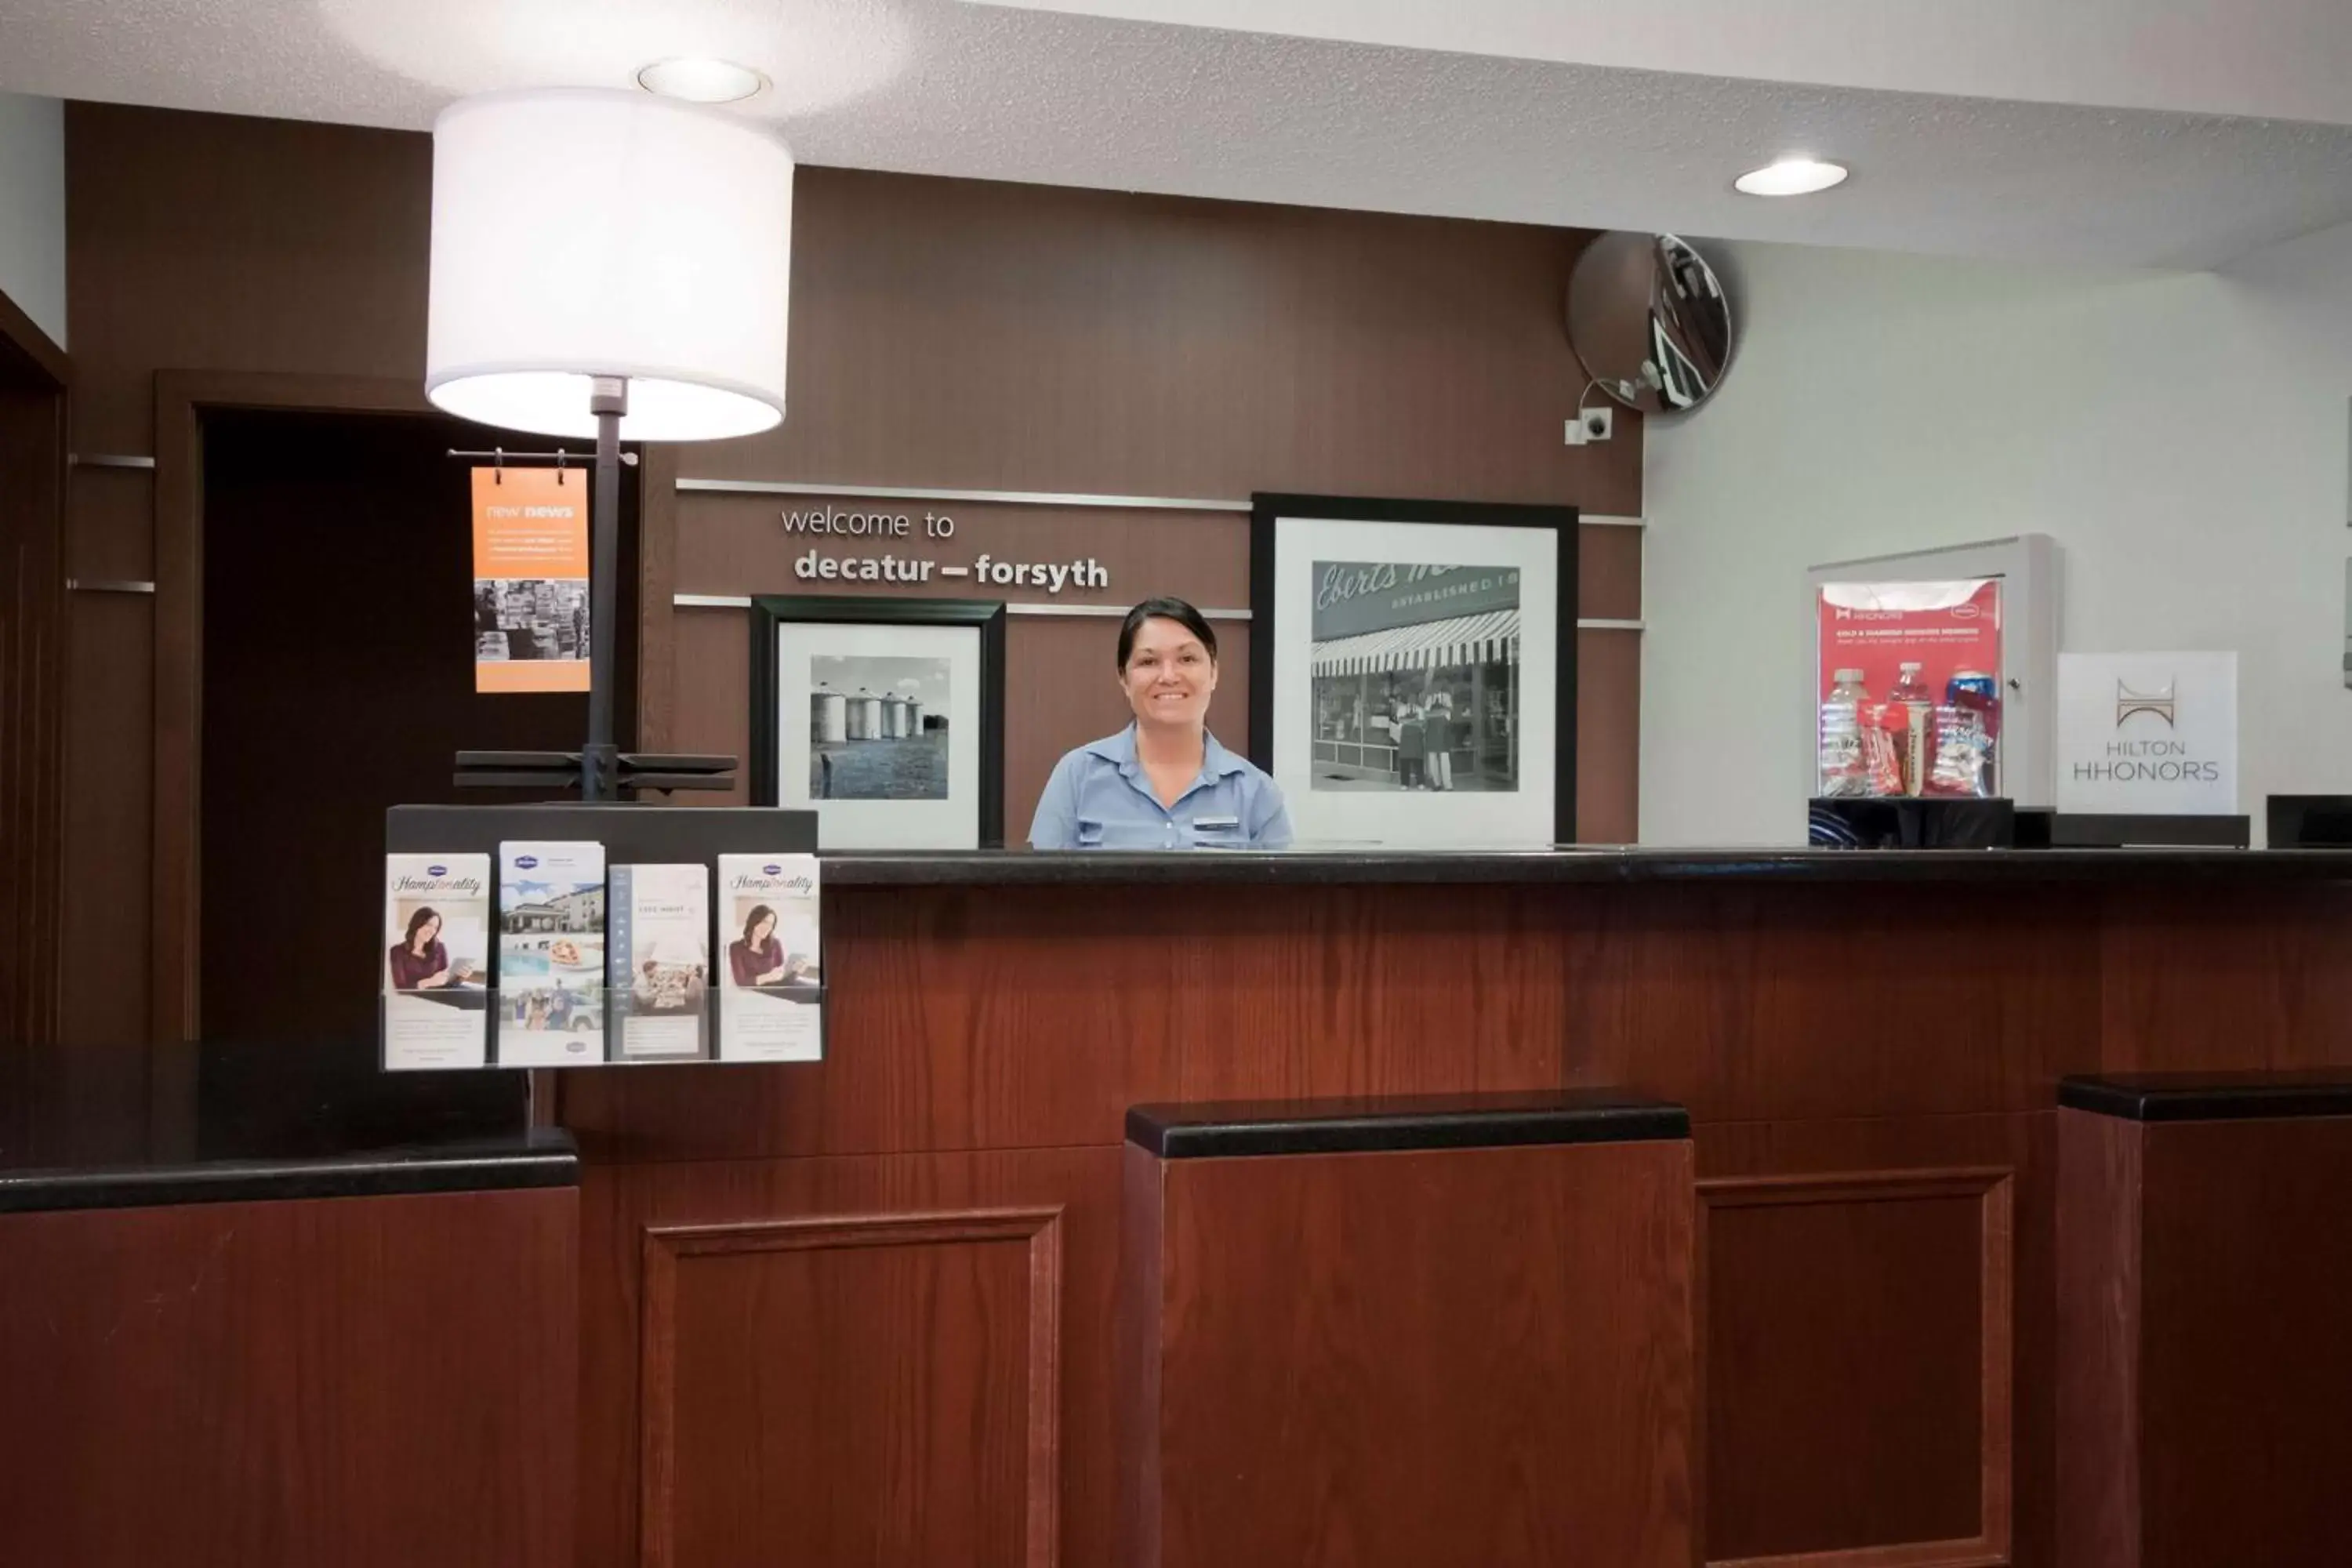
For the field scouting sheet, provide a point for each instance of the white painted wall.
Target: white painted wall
(2183, 436)
(33, 209)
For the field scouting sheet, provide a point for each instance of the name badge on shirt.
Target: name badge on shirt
(1219, 833)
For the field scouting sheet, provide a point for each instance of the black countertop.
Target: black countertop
(242, 1119)
(2210, 1096)
(1022, 867)
(543, 1158)
(1228, 1129)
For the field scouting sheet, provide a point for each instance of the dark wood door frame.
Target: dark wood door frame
(34, 382)
(182, 400)
(27, 353)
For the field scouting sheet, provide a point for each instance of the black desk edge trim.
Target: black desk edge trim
(1164, 1132)
(548, 1159)
(2217, 1101)
(2011, 867)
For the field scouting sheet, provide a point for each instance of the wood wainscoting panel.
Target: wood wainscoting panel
(2245, 1369)
(859, 1361)
(1608, 572)
(366, 1383)
(2025, 1145)
(1608, 733)
(871, 1390)
(109, 820)
(706, 708)
(1301, 993)
(2206, 1369)
(2098, 1470)
(1857, 1368)
(2234, 977)
(959, 1019)
(1780, 1003)
(1398, 1359)
(1031, 1017)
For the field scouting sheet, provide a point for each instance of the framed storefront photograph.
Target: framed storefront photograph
(886, 717)
(1413, 670)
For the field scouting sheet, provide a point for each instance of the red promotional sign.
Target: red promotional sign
(1945, 628)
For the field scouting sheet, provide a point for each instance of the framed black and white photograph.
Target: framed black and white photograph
(1413, 670)
(886, 717)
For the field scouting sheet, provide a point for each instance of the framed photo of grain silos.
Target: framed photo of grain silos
(886, 717)
(1413, 670)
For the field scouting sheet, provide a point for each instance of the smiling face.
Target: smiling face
(1169, 676)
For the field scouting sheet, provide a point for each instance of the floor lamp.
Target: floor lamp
(653, 307)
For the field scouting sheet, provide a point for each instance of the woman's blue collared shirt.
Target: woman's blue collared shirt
(1099, 798)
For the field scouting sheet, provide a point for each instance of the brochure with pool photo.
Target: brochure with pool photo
(436, 961)
(770, 984)
(551, 1001)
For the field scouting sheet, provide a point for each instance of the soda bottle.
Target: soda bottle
(1919, 711)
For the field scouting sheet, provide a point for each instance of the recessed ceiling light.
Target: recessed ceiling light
(1791, 177)
(701, 80)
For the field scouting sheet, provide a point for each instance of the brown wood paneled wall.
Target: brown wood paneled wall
(375, 1382)
(1871, 1072)
(34, 375)
(1060, 689)
(1016, 337)
(947, 333)
(207, 243)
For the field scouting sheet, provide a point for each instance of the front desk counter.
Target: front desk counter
(874, 1303)
(343, 1337)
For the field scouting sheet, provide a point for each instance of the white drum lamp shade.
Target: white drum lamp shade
(581, 232)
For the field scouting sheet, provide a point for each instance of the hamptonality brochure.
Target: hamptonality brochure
(436, 961)
(771, 980)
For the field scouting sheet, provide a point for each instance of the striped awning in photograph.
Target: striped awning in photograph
(1489, 639)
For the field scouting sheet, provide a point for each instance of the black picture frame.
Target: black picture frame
(770, 612)
(1268, 506)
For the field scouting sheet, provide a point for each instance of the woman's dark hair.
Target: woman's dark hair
(416, 922)
(1163, 609)
(751, 921)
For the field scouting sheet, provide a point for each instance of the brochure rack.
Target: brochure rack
(632, 834)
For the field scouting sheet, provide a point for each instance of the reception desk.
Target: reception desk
(872, 1307)
(2205, 1230)
(253, 1359)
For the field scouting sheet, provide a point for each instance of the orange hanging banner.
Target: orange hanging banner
(530, 579)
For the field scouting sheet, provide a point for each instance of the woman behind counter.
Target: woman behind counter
(1163, 782)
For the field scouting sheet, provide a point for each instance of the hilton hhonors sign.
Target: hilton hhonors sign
(2147, 733)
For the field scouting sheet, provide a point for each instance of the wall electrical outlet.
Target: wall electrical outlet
(1599, 423)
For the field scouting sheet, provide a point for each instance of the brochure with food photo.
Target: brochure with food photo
(660, 979)
(771, 981)
(550, 1000)
(436, 961)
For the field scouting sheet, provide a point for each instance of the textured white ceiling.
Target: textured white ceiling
(1017, 93)
(2276, 58)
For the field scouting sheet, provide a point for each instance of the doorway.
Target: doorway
(337, 645)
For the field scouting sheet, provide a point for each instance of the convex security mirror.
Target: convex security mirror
(1649, 321)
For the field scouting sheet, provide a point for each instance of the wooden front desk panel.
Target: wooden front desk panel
(2207, 1370)
(984, 1043)
(1457, 1355)
(361, 1381)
